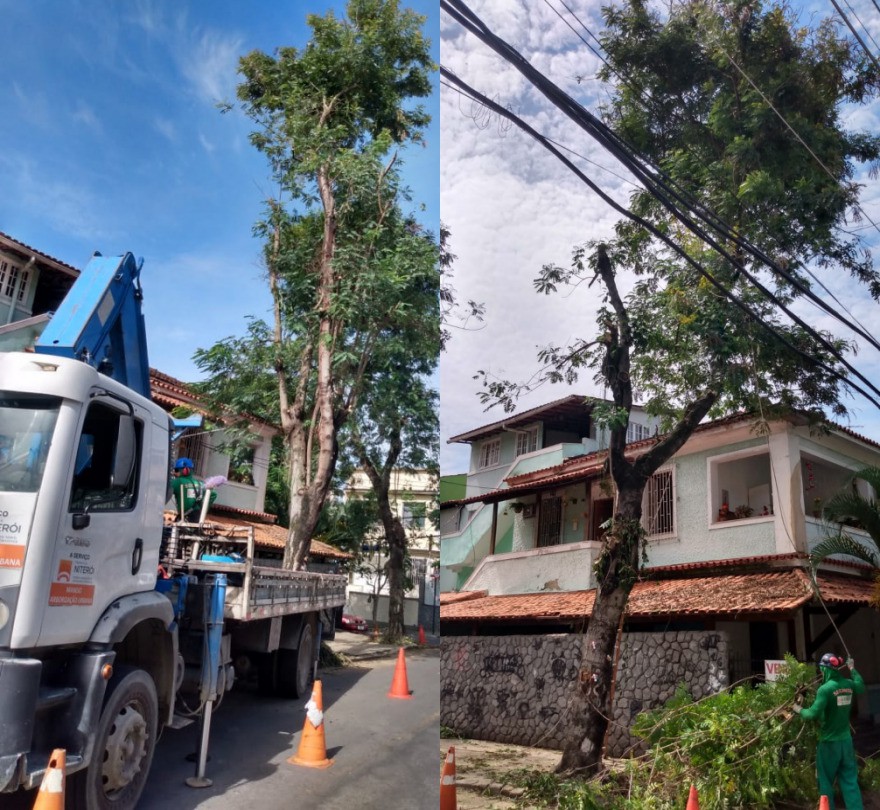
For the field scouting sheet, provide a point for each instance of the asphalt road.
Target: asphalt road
(384, 750)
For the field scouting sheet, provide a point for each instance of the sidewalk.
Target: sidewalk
(361, 647)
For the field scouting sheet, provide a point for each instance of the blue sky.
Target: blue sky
(111, 141)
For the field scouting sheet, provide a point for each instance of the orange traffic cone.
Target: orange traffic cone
(422, 640)
(693, 799)
(399, 684)
(823, 803)
(51, 793)
(448, 800)
(312, 751)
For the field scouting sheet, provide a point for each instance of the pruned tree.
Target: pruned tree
(736, 218)
(329, 120)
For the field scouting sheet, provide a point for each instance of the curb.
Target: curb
(489, 787)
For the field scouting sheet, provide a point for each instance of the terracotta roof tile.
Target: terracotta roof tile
(451, 597)
(780, 592)
(268, 535)
(17, 243)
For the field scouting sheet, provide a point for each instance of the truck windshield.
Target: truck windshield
(26, 426)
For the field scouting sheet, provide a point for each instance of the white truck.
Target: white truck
(110, 624)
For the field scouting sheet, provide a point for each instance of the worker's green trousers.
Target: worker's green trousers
(837, 760)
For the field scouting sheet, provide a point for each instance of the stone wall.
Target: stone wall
(518, 689)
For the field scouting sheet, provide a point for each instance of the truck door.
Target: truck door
(100, 554)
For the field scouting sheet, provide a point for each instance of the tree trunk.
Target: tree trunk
(616, 570)
(397, 544)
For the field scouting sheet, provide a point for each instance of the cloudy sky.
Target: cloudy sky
(512, 207)
(111, 141)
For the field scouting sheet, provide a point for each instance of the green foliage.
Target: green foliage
(347, 524)
(742, 748)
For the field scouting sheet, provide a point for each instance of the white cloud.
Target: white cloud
(166, 128)
(63, 205)
(206, 144)
(84, 114)
(512, 207)
(209, 62)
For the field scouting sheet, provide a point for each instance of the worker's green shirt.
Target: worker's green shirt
(193, 490)
(833, 704)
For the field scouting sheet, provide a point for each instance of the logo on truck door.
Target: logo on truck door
(16, 513)
(73, 583)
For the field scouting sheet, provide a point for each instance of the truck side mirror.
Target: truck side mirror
(126, 452)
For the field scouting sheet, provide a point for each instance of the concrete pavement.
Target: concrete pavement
(361, 647)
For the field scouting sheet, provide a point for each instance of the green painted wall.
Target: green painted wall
(463, 576)
(505, 542)
(452, 487)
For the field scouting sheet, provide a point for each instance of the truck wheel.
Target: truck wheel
(296, 667)
(124, 742)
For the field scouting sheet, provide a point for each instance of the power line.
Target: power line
(497, 108)
(720, 226)
(459, 11)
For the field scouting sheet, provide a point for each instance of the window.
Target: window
(659, 506)
(414, 514)
(636, 432)
(107, 460)
(490, 454)
(740, 485)
(194, 447)
(241, 464)
(28, 423)
(550, 522)
(13, 281)
(527, 441)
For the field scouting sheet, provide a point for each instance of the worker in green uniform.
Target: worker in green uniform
(188, 491)
(835, 756)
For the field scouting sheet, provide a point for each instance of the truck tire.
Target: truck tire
(124, 743)
(296, 668)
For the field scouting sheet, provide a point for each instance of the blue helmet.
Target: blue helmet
(182, 462)
(832, 661)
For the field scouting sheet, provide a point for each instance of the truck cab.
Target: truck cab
(83, 482)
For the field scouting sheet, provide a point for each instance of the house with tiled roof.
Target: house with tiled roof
(32, 286)
(726, 587)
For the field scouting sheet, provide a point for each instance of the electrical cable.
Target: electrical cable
(497, 108)
(710, 218)
(697, 207)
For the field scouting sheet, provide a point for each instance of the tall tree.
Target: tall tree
(701, 93)
(329, 117)
(395, 426)
(397, 430)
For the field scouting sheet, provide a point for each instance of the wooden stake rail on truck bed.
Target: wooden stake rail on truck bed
(254, 591)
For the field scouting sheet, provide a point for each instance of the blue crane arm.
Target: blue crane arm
(100, 321)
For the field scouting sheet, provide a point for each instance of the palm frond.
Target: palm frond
(842, 543)
(849, 508)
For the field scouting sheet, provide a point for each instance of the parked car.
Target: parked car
(354, 624)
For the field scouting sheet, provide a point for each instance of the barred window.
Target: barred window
(659, 504)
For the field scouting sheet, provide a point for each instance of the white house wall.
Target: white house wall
(555, 568)
(698, 540)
